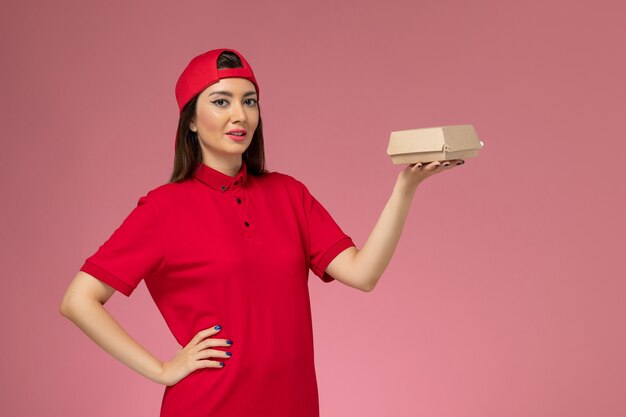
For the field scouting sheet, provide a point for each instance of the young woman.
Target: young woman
(224, 249)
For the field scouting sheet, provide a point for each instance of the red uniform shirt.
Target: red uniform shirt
(233, 251)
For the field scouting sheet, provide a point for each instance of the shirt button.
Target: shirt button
(223, 187)
(238, 200)
(235, 182)
(246, 223)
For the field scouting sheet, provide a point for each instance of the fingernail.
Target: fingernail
(460, 162)
(230, 342)
(445, 164)
(222, 363)
(229, 353)
(218, 327)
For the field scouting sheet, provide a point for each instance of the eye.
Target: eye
(254, 101)
(218, 100)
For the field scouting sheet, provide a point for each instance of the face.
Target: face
(230, 104)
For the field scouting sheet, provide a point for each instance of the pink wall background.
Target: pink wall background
(506, 294)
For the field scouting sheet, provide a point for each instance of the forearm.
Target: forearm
(96, 322)
(375, 255)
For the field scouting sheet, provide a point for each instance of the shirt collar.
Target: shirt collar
(218, 180)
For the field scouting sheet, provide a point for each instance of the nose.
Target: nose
(238, 113)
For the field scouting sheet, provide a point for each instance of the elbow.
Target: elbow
(370, 284)
(369, 287)
(64, 308)
(71, 305)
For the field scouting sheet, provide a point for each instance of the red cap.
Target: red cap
(202, 71)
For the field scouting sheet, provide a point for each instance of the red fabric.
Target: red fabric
(203, 266)
(202, 71)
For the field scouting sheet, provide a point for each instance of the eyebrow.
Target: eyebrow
(229, 94)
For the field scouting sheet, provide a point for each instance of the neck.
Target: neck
(229, 167)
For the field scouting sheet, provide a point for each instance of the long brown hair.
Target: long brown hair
(188, 153)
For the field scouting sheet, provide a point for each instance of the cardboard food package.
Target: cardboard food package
(441, 143)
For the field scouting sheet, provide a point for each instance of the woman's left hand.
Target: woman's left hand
(411, 176)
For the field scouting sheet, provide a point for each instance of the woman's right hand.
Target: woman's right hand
(194, 356)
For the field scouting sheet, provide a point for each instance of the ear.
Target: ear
(192, 126)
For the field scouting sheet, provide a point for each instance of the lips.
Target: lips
(237, 131)
(238, 138)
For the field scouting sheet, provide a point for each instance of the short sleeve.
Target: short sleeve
(326, 238)
(132, 252)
